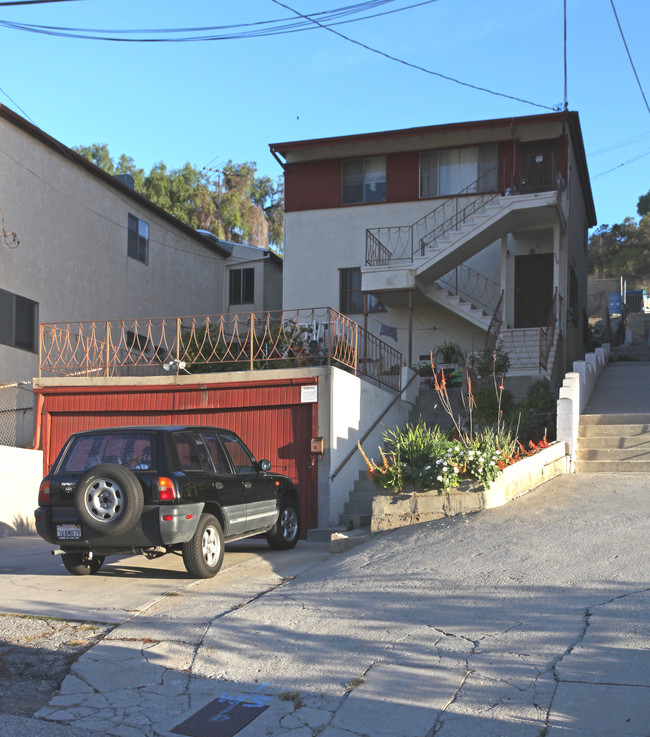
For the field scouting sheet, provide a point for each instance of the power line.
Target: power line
(260, 29)
(629, 56)
(409, 64)
(13, 102)
(624, 163)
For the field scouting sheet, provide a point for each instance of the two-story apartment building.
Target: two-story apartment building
(452, 233)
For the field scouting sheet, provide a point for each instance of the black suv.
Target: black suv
(157, 490)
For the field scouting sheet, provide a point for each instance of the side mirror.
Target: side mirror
(265, 465)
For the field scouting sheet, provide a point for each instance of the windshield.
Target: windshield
(131, 450)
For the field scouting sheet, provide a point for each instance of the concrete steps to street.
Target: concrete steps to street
(615, 443)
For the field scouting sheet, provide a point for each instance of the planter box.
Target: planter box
(411, 507)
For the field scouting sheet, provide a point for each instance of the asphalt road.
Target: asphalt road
(527, 620)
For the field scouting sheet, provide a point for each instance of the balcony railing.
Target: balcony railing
(520, 175)
(217, 343)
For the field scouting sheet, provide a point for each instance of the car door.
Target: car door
(261, 497)
(228, 485)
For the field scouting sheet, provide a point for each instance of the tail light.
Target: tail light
(44, 493)
(166, 489)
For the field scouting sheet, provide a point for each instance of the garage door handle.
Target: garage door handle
(247, 484)
(218, 485)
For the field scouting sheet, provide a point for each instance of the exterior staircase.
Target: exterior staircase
(358, 509)
(618, 443)
(454, 302)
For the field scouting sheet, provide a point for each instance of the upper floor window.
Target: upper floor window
(364, 180)
(138, 240)
(18, 321)
(351, 296)
(459, 170)
(242, 286)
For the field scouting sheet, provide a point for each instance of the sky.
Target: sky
(209, 101)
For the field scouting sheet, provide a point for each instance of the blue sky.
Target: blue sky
(207, 102)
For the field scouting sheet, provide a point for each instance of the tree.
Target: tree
(622, 250)
(237, 205)
(643, 206)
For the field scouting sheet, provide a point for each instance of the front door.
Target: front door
(533, 289)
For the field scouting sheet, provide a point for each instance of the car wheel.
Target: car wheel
(109, 499)
(203, 554)
(284, 534)
(79, 564)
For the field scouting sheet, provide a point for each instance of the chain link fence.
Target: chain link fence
(17, 413)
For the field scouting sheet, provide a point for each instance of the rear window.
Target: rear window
(131, 450)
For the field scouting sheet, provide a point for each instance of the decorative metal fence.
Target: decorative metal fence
(17, 414)
(217, 343)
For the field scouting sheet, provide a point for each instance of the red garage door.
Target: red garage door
(269, 415)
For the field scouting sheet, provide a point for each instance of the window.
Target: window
(350, 295)
(458, 170)
(364, 180)
(18, 321)
(242, 286)
(138, 240)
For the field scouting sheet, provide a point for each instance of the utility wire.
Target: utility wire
(409, 64)
(624, 163)
(13, 102)
(259, 28)
(629, 56)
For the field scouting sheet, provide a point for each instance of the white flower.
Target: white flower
(439, 478)
(456, 469)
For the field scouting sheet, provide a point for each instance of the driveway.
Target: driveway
(526, 620)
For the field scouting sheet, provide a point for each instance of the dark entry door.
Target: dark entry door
(533, 289)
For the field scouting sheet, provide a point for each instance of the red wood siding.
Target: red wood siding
(314, 185)
(403, 177)
(317, 185)
(268, 415)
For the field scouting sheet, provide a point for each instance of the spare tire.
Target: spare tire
(109, 499)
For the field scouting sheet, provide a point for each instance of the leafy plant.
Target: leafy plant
(449, 352)
(490, 362)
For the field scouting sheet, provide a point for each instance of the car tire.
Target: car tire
(79, 564)
(203, 554)
(109, 499)
(286, 531)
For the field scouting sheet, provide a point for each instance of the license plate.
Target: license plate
(68, 532)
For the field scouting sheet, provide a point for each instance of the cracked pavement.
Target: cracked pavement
(529, 620)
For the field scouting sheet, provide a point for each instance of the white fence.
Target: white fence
(21, 472)
(574, 395)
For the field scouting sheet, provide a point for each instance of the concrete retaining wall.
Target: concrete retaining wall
(408, 508)
(574, 395)
(21, 472)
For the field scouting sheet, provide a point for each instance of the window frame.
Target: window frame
(365, 184)
(137, 239)
(350, 291)
(486, 162)
(18, 309)
(241, 286)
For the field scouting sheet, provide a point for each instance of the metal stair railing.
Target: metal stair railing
(547, 334)
(398, 243)
(467, 283)
(496, 322)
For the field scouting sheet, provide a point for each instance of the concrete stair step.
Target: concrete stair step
(641, 418)
(610, 454)
(612, 466)
(618, 431)
(613, 442)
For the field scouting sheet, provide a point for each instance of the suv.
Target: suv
(157, 490)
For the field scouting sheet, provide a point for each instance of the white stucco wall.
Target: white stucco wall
(353, 407)
(72, 258)
(21, 472)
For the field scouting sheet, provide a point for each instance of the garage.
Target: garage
(276, 418)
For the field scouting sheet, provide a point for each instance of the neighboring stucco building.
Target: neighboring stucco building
(447, 233)
(253, 277)
(87, 248)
